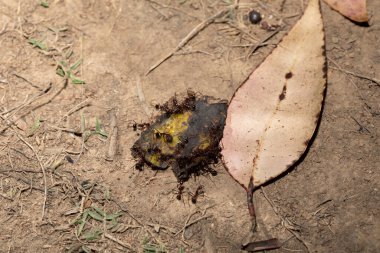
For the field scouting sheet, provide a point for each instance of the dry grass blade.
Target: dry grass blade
(124, 244)
(42, 169)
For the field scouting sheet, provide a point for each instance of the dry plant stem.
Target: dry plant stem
(116, 17)
(10, 159)
(138, 221)
(262, 245)
(67, 130)
(376, 81)
(29, 82)
(172, 8)
(42, 169)
(34, 98)
(169, 229)
(121, 243)
(76, 108)
(284, 221)
(191, 35)
(22, 180)
(85, 197)
(160, 12)
(141, 96)
(242, 31)
(19, 171)
(187, 220)
(83, 129)
(251, 206)
(353, 83)
(193, 222)
(261, 43)
(188, 224)
(3, 30)
(361, 127)
(112, 146)
(6, 197)
(11, 123)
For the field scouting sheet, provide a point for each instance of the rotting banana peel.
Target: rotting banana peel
(186, 136)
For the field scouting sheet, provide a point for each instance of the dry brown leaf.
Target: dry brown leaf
(355, 10)
(273, 115)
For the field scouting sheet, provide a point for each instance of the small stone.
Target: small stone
(335, 40)
(254, 17)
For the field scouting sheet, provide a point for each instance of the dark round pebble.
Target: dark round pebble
(254, 17)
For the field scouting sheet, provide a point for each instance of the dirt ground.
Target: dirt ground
(53, 167)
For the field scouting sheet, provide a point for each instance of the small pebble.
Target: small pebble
(254, 17)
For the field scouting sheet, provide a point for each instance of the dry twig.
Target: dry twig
(76, 108)
(29, 82)
(121, 243)
(172, 8)
(188, 224)
(34, 98)
(262, 43)
(376, 81)
(3, 30)
(141, 96)
(112, 146)
(191, 35)
(10, 123)
(138, 221)
(42, 169)
(22, 180)
(285, 222)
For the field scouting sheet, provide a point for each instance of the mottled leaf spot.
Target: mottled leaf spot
(283, 93)
(288, 75)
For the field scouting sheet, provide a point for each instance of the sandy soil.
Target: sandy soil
(328, 203)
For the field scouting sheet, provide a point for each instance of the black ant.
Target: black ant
(189, 101)
(199, 191)
(167, 137)
(175, 106)
(183, 141)
(209, 170)
(139, 166)
(140, 126)
(180, 188)
(175, 102)
(164, 107)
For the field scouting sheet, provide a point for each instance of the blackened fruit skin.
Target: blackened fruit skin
(254, 17)
(192, 149)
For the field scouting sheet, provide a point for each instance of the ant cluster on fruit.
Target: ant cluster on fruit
(184, 137)
(173, 106)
